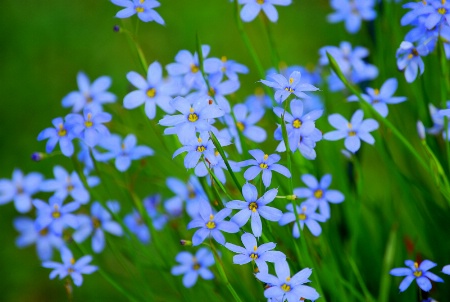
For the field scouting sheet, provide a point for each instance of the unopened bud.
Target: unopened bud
(421, 130)
(38, 156)
(291, 197)
(116, 28)
(185, 242)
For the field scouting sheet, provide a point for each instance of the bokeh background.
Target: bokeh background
(44, 45)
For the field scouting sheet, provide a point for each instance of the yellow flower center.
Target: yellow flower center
(351, 133)
(417, 273)
(297, 123)
(139, 9)
(62, 131)
(211, 92)
(263, 166)
(286, 287)
(194, 68)
(289, 89)
(151, 93)
(43, 232)
(260, 1)
(240, 126)
(253, 206)
(211, 224)
(376, 91)
(302, 216)
(442, 10)
(96, 222)
(192, 117)
(318, 194)
(89, 123)
(254, 256)
(56, 214)
(201, 148)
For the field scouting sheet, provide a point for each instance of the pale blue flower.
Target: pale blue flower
(89, 95)
(380, 98)
(353, 132)
(193, 266)
(143, 8)
(122, 151)
(211, 225)
(20, 189)
(418, 272)
(151, 91)
(252, 8)
(70, 267)
(66, 184)
(61, 133)
(266, 164)
(352, 12)
(317, 194)
(284, 287)
(306, 216)
(97, 223)
(252, 252)
(285, 87)
(191, 192)
(44, 239)
(254, 207)
(409, 59)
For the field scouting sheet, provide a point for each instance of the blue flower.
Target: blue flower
(259, 101)
(123, 151)
(89, 126)
(353, 131)
(44, 239)
(192, 193)
(265, 163)
(54, 215)
(446, 269)
(437, 13)
(187, 66)
(151, 204)
(418, 272)
(70, 267)
(99, 221)
(61, 133)
(194, 117)
(217, 90)
(89, 95)
(379, 98)
(152, 91)
(252, 8)
(197, 147)
(409, 59)
(218, 167)
(211, 225)
(143, 9)
(137, 226)
(193, 266)
(223, 66)
(246, 118)
(254, 207)
(352, 12)
(284, 87)
(306, 215)
(66, 184)
(317, 193)
(252, 252)
(298, 125)
(351, 63)
(20, 189)
(284, 287)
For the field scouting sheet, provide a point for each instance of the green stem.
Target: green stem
(223, 275)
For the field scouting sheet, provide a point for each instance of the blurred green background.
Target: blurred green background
(45, 44)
